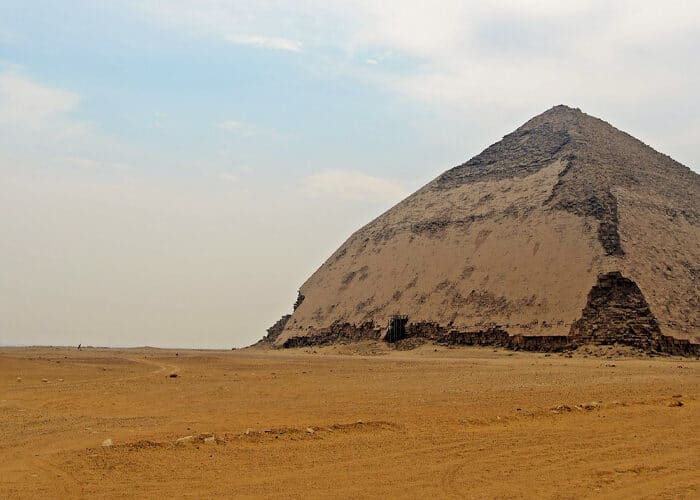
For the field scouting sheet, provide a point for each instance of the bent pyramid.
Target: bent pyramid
(567, 231)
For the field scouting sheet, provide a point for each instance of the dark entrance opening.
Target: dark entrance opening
(397, 328)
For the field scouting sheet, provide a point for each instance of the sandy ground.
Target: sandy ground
(444, 423)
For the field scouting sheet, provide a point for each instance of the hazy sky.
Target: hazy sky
(172, 171)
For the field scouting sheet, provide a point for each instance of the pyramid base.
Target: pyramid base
(616, 313)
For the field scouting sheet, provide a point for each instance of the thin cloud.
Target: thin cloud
(24, 102)
(40, 121)
(238, 128)
(228, 177)
(159, 119)
(265, 42)
(354, 186)
(40, 125)
(95, 164)
(478, 50)
(231, 126)
(242, 129)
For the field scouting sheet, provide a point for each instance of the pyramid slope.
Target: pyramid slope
(517, 237)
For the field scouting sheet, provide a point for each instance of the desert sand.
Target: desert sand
(346, 421)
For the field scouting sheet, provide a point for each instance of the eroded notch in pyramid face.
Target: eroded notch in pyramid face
(616, 312)
(596, 202)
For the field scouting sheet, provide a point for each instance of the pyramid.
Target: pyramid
(567, 231)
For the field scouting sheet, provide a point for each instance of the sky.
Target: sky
(172, 171)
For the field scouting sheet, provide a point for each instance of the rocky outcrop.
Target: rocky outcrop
(300, 299)
(275, 330)
(494, 336)
(432, 332)
(337, 332)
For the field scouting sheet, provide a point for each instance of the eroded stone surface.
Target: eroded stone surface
(516, 238)
(618, 313)
(275, 330)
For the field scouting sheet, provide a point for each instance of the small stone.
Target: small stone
(675, 403)
(560, 408)
(107, 443)
(44, 380)
(60, 380)
(184, 440)
(310, 430)
(210, 440)
(173, 375)
(19, 379)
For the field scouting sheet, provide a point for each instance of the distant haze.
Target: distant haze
(171, 172)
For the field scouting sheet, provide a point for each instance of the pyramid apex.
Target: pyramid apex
(559, 112)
